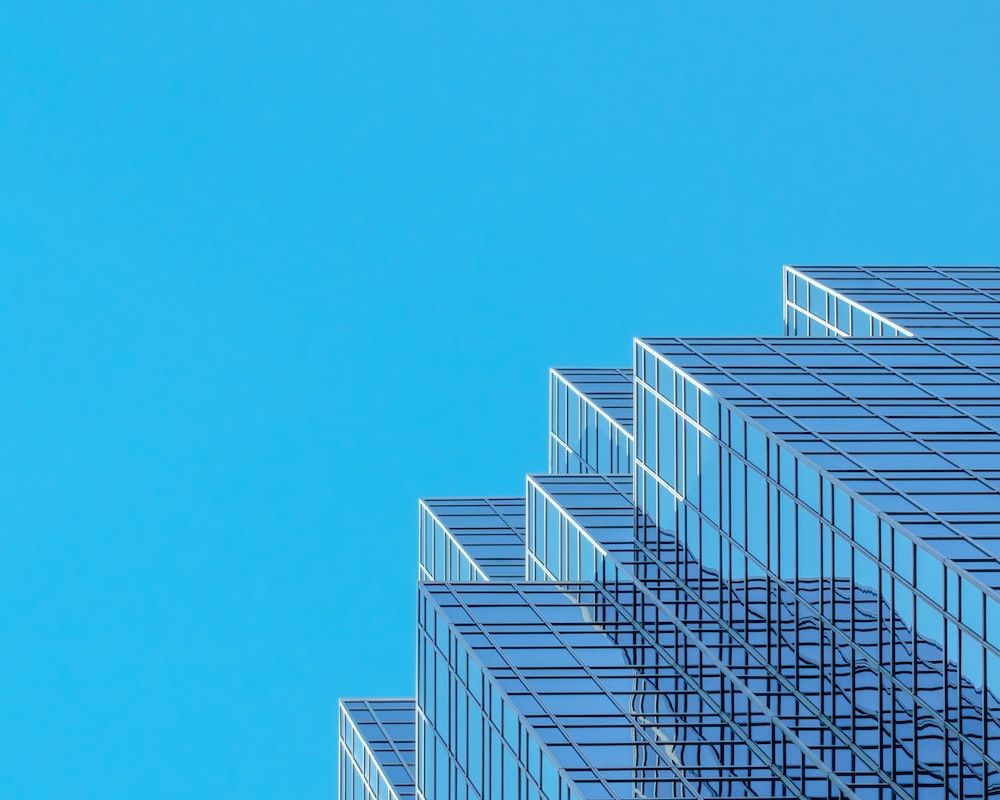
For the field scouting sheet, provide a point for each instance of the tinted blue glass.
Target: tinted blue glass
(777, 578)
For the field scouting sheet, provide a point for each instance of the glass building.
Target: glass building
(590, 420)
(471, 539)
(377, 749)
(758, 567)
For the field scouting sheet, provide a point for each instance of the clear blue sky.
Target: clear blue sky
(270, 271)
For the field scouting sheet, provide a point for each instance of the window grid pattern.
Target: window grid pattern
(814, 309)
(471, 539)
(590, 420)
(564, 547)
(758, 567)
(628, 709)
(473, 743)
(783, 519)
(786, 650)
(377, 749)
(913, 436)
(929, 301)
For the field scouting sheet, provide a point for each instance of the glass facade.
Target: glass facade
(792, 588)
(590, 420)
(377, 749)
(814, 306)
(471, 539)
(931, 302)
(573, 520)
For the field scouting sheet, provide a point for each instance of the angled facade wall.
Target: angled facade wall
(758, 567)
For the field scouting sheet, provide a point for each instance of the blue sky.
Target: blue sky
(271, 271)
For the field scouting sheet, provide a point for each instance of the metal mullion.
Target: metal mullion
(847, 642)
(655, 602)
(840, 451)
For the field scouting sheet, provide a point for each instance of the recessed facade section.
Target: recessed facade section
(758, 567)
